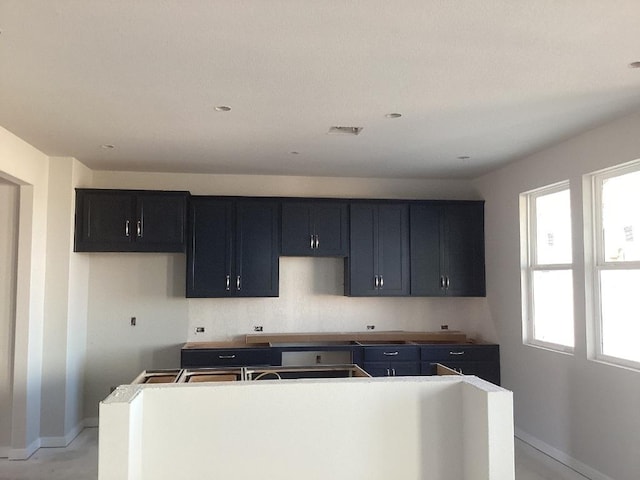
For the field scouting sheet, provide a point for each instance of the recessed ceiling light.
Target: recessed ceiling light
(107, 146)
(634, 65)
(222, 108)
(393, 115)
(464, 157)
(294, 153)
(344, 130)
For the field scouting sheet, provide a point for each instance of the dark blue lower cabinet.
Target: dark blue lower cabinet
(392, 369)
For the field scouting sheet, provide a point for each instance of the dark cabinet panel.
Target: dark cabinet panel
(447, 249)
(160, 221)
(314, 228)
(233, 248)
(391, 360)
(378, 261)
(256, 269)
(130, 221)
(209, 251)
(220, 357)
(391, 353)
(103, 220)
(392, 369)
(482, 360)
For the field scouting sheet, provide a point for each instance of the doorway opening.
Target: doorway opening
(9, 211)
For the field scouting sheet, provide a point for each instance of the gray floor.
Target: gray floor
(79, 461)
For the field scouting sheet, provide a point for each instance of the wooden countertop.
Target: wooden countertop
(265, 339)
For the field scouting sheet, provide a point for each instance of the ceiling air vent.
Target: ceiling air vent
(344, 130)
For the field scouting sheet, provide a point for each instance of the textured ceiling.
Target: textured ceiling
(493, 80)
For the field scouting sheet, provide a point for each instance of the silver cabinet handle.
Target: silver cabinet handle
(442, 281)
(390, 354)
(317, 242)
(375, 281)
(447, 283)
(381, 281)
(228, 285)
(126, 228)
(457, 353)
(311, 242)
(388, 372)
(226, 357)
(393, 370)
(139, 228)
(238, 284)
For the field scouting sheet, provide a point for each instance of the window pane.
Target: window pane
(621, 217)
(620, 313)
(553, 228)
(553, 306)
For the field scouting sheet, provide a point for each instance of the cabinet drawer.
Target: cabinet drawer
(460, 353)
(391, 353)
(238, 357)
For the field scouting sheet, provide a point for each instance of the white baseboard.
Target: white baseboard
(558, 455)
(24, 453)
(90, 422)
(49, 442)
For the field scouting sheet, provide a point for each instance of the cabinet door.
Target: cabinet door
(256, 272)
(363, 255)
(393, 250)
(297, 230)
(331, 227)
(160, 222)
(209, 248)
(464, 249)
(425, 251)
(104, 221)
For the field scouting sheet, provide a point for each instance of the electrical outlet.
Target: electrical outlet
(371, 327)
(199, 329)
(257, 328)
(444, 327)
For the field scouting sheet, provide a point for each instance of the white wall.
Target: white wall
(581, 411)
(152, 286)
(67, 276)
(409, 428)
(8, 265)
(24, 165)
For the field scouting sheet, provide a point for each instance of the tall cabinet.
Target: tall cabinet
(232, 248)
(447, 249)
(378, 264)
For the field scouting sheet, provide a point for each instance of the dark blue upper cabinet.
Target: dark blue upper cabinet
(130, 221)
(233, 248)
(378, 263)
(315, 228)
(447, 249)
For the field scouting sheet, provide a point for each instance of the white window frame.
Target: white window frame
(529, 265)
(600, 264)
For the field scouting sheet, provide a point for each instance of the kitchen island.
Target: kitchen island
(410, 428)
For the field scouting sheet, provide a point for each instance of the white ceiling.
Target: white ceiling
(494, 80)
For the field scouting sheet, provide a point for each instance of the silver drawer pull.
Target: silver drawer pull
(390, 354)
(457, 353)
(126, 228)
(226, 357)
(311, 241)
(228, 283)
